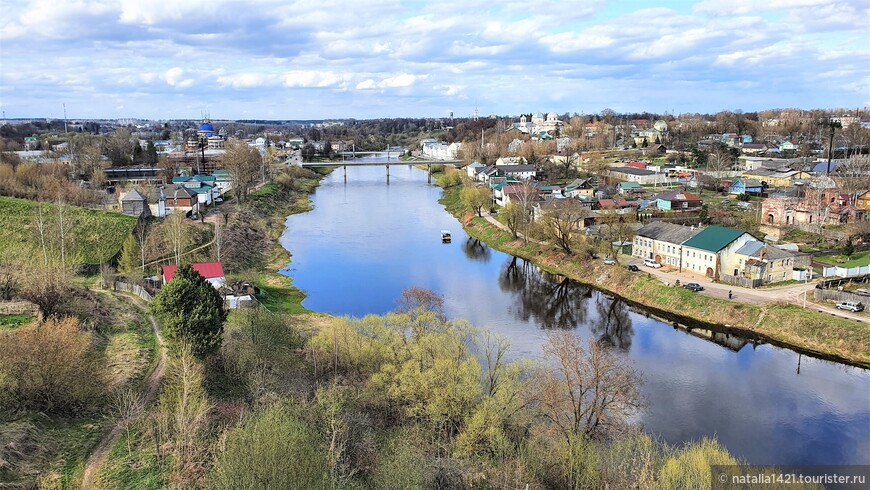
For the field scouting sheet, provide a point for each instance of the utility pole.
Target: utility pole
(64, 118)
(834, 125)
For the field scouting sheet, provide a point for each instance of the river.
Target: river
(365, 241)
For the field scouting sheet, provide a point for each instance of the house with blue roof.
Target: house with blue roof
(705, 253)
(744, 186)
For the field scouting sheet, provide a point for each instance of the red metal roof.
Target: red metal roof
(208, 270)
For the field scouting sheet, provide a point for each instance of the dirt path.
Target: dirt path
(147, 394)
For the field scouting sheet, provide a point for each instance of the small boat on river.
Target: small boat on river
(445, 236)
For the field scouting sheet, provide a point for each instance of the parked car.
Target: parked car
(693, 286)
(609, 261)
(850, 306)
(633, 268)
(652, 263)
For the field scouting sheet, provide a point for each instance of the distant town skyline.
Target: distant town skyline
(332, 59)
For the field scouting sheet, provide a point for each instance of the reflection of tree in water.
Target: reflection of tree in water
(554, 301)
(613, 325)
(475, 250)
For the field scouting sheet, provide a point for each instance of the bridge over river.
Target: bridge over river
(377, 161)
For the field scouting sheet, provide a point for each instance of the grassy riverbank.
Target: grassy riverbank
(274, 203)
(780, 324)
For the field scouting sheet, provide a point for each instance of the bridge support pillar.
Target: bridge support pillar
(429, 173)
(388, 174)
(345, 173)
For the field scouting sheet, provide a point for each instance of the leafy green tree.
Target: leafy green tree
(191, 310)
(475, 198)
(150, 158)
(138, 154)
(849, 248)
(129, 259)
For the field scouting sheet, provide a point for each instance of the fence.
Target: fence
(740, 281)
(19, 308)
(835, 295)
(133, 288)
(845, 272)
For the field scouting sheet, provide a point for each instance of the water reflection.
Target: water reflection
(613, 325)
(475, 250)
(552, 301)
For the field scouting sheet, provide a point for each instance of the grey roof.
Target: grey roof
(668, 232)
(173, 190)
(750, 183)
(133, 195)
(750, 248)
(632, 170)
(753, 248)
(516, 168)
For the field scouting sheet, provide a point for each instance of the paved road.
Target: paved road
(793, 294)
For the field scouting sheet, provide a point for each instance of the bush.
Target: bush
(273, 449)
(49, 367)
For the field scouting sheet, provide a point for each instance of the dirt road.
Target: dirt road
(147, 394)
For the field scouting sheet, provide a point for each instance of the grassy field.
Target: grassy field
(95, 236)
(53, 449)
(856, 260)
(12, 321)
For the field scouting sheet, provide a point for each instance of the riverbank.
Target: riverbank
(780, 324)
(275, 203)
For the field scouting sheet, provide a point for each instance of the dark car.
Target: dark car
(633, 268)
(693, 286)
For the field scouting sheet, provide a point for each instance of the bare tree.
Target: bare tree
(719, 162)
(561, 220)
(176, 233)
(243, 164)
(218, 240)
(526, 196)
(591, 392)
(616, 228)
(141, 238)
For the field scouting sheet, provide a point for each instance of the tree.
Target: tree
(47, 287)
(849, 248)
(176, 233)
(243, 164)
(616, 228)
(590, 392)
(192, 311)
(119, 147)
(561, 219)
(514, 217)
(475, 198)
(150, 157)
(718, 162)
(129, 259)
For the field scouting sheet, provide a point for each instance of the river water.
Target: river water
(366, 240)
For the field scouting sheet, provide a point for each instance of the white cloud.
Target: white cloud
(367, 84)
(175, 77)
(305, 78)
(398, 81)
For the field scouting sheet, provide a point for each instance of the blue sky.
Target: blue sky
(316, 59)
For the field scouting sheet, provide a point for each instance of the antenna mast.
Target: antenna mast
(64, 119)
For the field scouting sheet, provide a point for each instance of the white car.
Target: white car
(609, 261)
(652, 263)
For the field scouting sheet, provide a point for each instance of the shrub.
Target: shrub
(273, 449)
(49, 367)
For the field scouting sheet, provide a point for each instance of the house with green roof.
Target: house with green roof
(705, 252)
(629, 187)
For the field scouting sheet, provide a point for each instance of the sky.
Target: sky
(322, 59)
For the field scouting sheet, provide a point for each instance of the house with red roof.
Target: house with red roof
(213, 272)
